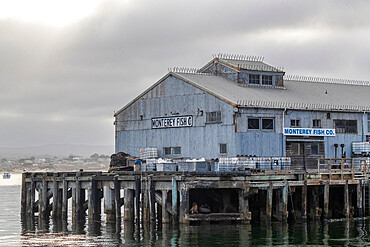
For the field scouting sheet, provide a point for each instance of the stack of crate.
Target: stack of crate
(148, 153)
(360, 151)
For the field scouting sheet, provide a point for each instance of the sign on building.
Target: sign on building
(172, 122)
(308, 132)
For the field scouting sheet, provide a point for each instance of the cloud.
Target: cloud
(62, 84)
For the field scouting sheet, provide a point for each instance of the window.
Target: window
(213, 117)
(172, 150)
(345, 126)
(295, 123)
(266, 79)
(315, 148)
(260, 123)
(254, 79)
(316, 123)
(223, 148)
(254, 123)
(368, 123)
(267, 123)
(295, 148)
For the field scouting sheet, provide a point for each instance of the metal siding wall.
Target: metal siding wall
(174, 95)
(259, 144)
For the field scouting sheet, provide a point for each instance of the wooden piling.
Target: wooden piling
(137, 199)
(304, 201)
(244, 204)
(24, 194)
(65, 199)
(109, 202)
(78, 208)
(346, 200)
(326, 200)
(359, 199)
(184, 202)
(151, 192)
(93, 196)
(174, 200)
(165, 213)
(44, 203)
(32, 195)
(285, 194)
(145, 202)
(269, 202)
(56, 197)
(117, 198)
(128, 213)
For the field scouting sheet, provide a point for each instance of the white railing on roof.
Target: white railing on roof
(325, 80)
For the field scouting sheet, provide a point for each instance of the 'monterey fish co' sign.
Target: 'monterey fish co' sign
(172, 122)
(309, 132)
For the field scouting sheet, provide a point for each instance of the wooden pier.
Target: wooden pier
(334, 190)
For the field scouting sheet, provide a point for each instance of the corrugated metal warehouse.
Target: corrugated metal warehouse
(238, 106)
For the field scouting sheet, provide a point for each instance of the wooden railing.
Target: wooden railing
(339, 167)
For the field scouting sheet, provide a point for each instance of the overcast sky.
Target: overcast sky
(66, 66)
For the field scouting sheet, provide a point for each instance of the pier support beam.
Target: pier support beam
(57, 198)
(269, 202)
(184, 202)
(128, 197)
(109, 208)
(304, 201)
(315, 207)
(137, 199)
(326, 200)
(151, 193)
(93, 197)
(244, 205)
(174, 200)
(65, 199)
(76, 200)
(165, 213)
(359, 199)
(24, 194)
(117, 199)
(285, 193)
(145, 202)
(346, 200)
(44, 199)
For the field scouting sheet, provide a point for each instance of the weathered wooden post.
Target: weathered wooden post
(117, 198)
(128, 197)
(184, 202)
(65, 199)
(145, 202)
(32, 195)
(92, 194)
(269, 202)
(326, 200)
(244, 204)
(285, 194)
(109, 202)
(174, 201)
(304, 201)
(346, 200)
(165, 213)
(359, 198)
(24, 194)
(76, 200)
(137, 199)
(44, 202)
(151, 191)
(57, 197)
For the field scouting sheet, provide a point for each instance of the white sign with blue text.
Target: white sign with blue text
(308, 132)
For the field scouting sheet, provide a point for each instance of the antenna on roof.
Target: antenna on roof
(238, 57)
(187, 71)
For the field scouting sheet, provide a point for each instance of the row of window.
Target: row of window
(256, 79)
(175, 151)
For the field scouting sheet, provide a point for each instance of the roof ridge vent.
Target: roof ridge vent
(326, 80)
(184, 70)
(238, 57)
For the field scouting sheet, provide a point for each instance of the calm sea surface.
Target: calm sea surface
(15, 233)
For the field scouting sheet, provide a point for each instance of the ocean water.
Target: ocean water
(33, 232)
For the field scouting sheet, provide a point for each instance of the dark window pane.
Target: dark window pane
(254, 123)
(176, 150)
(213, 117)
(316, 123)
(223, 148)
(315, 148)
(267, 123)
(266, 79)
(167, 151)
(254, 79)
